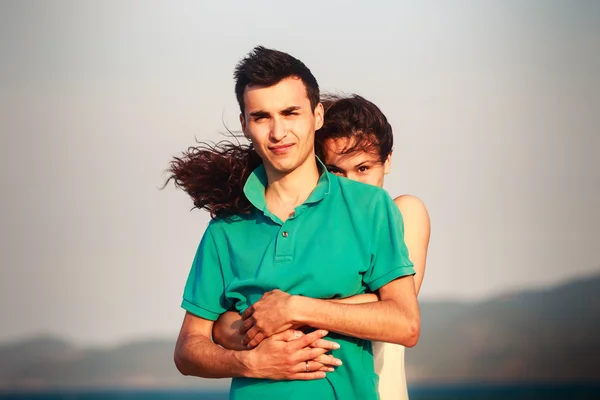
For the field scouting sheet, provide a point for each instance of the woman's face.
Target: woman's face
(360, 165)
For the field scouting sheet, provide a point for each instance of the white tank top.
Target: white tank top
(389, 365)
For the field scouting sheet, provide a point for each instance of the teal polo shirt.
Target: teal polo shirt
(345, 239)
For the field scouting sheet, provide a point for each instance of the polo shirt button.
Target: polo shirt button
(284, 234)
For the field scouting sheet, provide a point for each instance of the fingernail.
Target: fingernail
(338, 362)
(324, 332)
(336, 346)
(330, 369)
(321, 375)
(297, 334)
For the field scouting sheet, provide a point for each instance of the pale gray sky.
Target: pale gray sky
(495, 107)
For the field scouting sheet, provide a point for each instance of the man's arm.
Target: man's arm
(197, 355)
(227, 329)
(281, 357)
(395, 318)
(357, 299)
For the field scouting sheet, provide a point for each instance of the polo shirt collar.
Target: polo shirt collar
(255, 186)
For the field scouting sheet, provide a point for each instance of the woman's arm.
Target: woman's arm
(226, 332)
(416, 233)
(357, 299)
(395, 318)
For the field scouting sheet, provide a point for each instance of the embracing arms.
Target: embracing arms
(394, 319)
(283, 356)
(417, 228)
(227, 330)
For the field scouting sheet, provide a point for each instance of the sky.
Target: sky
(495, 108)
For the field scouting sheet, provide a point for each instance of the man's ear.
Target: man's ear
(319, 115)
(243, 124)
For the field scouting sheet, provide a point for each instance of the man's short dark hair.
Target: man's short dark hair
(267, 67)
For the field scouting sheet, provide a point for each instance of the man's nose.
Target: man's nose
(278, 129)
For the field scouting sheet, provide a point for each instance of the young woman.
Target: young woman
(355, 142)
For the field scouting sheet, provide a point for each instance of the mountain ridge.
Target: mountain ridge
(550, 335)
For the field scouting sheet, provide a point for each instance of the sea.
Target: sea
(481, 392)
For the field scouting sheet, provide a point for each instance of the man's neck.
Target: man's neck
(286, 191)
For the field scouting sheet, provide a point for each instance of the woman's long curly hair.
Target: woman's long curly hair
(214, 175)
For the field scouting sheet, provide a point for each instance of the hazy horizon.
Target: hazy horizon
(142, 337)
(495, 110)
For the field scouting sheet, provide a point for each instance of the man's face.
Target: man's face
(359, 165)
(281, 124)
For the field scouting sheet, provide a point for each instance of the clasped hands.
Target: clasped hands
(273, 318)
(273, 313)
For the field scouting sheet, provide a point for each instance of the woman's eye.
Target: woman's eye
(363, 169)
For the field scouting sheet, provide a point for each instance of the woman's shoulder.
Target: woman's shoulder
(413, 210)
(410, 203)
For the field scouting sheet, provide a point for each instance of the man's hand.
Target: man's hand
(291, 355)
(270, 315)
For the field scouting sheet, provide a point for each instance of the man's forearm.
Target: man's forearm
(384, 320)
(357, 299)
(197, 355)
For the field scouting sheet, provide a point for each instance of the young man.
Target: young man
(356, 142)
(308, 236)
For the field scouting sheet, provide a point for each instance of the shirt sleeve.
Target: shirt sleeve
(204, 293)
(389, 255)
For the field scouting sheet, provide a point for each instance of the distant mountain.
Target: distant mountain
(541, 336)
(551, 335)
(48, 362)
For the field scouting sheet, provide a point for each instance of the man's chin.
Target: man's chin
(286, 164)
(283, 164)
(284, 169)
